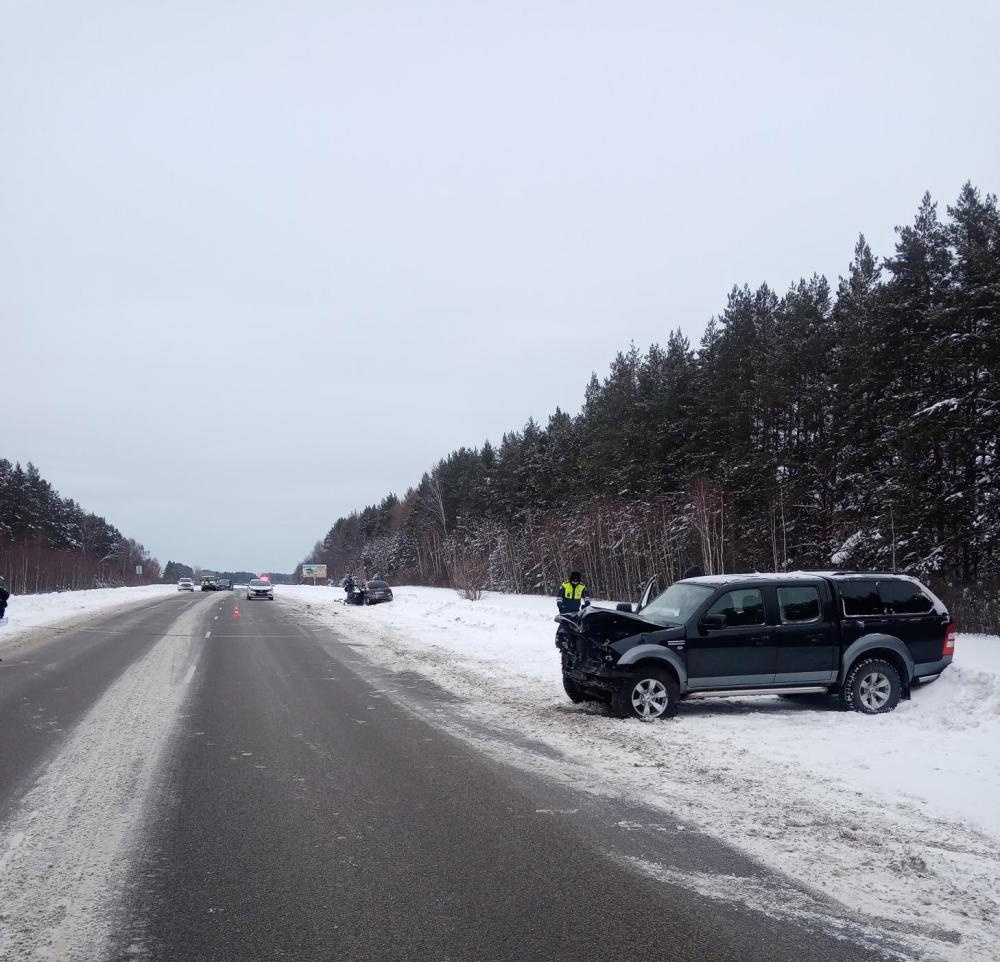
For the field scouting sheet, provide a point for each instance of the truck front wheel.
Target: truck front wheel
(575, 693)
(650, 693)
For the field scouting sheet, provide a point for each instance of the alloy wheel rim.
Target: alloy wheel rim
(650, 698)
(874, 690)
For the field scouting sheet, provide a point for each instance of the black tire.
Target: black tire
(575, 693)
(872, 687)
(650, 694)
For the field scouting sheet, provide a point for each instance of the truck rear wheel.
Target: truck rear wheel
(872, 687)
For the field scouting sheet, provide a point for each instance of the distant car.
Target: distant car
(376, 591)
(223, 584)
(260, 589)
(208, 584)
(185, 584)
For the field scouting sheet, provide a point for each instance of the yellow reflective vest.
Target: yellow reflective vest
(573, 592)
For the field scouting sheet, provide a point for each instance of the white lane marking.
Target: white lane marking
(208, 634)
(67, 843)
(190, 674)
(216, 617)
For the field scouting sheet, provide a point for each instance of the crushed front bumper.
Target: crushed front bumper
(586, 665)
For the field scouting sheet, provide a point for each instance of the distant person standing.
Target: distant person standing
(572, 594)
(4, 595)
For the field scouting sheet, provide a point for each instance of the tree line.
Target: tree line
(51, 543)
(848, 426)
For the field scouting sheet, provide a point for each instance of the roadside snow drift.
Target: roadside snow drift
(895, 817)
(59, 609)
(65, 848)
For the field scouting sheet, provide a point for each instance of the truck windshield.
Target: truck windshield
(676, 605)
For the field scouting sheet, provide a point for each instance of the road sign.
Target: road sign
(138, 569)
(314, 571)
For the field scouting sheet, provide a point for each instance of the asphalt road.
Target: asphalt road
(176, 784)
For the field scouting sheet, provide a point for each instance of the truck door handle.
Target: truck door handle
(759, 639)
(814, 638)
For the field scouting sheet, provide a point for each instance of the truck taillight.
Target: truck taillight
(949, 641)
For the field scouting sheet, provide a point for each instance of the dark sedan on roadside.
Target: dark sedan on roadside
(376, 591)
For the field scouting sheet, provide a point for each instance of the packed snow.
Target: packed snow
(896, 817)
(63, 849)
(33, 615)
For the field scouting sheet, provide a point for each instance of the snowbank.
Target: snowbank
(26, 612)
(897, 816)
(66, 841)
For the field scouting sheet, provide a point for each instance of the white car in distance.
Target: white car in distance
(185, 584)
(259, 588)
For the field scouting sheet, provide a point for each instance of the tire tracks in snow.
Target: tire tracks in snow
(65, 850)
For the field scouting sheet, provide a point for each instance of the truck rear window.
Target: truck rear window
(884, 597)
(860, 598)
(904, 598)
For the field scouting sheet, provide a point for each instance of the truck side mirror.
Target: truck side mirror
(713, 622)
(623, 606)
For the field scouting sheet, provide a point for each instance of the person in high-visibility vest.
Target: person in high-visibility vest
(572, 594)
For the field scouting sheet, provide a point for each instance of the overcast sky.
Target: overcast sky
(263, 262)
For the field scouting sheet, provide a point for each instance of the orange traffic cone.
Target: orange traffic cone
(236, 613)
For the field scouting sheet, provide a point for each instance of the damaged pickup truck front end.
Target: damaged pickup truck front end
(600, 649)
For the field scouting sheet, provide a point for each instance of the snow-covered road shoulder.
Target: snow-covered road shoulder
(67, 846)
(895, 817)
(32, 615)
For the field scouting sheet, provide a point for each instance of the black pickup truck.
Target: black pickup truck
(868, 638)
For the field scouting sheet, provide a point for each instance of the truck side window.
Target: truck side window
(860, 598)
(798, 605)
(741, 608)
(904, 598)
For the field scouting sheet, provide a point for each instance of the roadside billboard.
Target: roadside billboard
(314, 571)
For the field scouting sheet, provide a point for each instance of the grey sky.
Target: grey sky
(227, 229)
